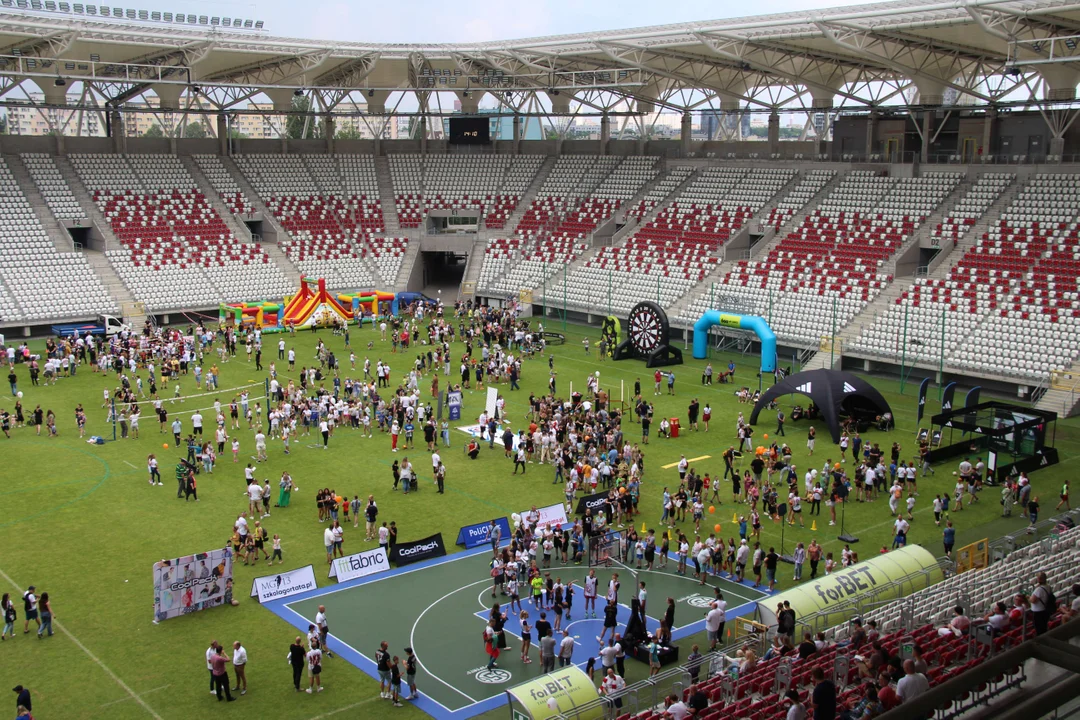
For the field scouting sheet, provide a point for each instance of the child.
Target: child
(395, 680)
(910, 505)
(526, 637)
(277, 551)
(937, 510)
(830, 564)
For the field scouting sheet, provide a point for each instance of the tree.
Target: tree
(154, 131)
(3, 125)
(236, 134)
(302, 124)
(194, 130)
(349, 132)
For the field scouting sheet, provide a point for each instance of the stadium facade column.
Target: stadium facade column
(328, 126)
(116, 130)
(421, 129)
(686, 133)
(605, 133)
(871, 130)
(774, 132)
(517, 134)
(1061, 82)
(222, 134)
(989, 123)
(931, 95)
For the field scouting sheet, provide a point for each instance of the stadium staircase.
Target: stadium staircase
(103, 227)
(942, 263)
(239, 229)
(628, 229)
(527, 199)
(279, 258)
(1065, 402)
(412, 252)
(386, 196)
(59, 235)
(926, 229)
(253, 198)
(473, 266)
(115, 287)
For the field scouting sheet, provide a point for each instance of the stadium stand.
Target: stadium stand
(49, 284)
(322, 226)
(667, 256)
(833, 264)
(1013, 290)
(50, 183)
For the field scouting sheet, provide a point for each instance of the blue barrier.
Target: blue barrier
(757, 324)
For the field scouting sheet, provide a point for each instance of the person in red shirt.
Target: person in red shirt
(657, 378)
(887, 694)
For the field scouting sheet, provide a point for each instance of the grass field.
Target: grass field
(80, 522)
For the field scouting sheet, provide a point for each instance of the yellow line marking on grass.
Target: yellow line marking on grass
(675, 464)
(93, 657)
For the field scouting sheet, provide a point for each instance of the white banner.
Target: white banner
(492, 399)
(360, 564)
(191, 583)
(480, 433)
(283, 585)
(551, 515)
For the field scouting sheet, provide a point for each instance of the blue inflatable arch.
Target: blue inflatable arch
(711, 318)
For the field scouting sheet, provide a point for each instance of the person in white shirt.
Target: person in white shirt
(239, 661)
(435, 460)
(913, 684)
(196, 423)
(323, 627)
(714, 623)
(254, 493)
(210, 653)
(610, 687)
(314, 663)
(566, 649)
(328, 541)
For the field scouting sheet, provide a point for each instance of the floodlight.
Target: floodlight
(64, 7)
(203, 19)
(371, 93)
(247, 24)
(36, 4)
(258, 24)
(298, 92)
(91, 9)
(78, 8)
(1070, 43)
(94, 57)
(215, 21)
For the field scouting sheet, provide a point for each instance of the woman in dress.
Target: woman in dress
(285, 491)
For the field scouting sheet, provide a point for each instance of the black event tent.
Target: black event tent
(835, 392)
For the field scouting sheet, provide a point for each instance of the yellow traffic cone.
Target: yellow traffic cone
(644, 529)
(735, 518)
(813, 526)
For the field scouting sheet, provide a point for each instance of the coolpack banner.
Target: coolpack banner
(923, 387)
(453, 401)
(595, 502)
(552, 515)
(479, 534)
(417, 550)
(283, 585)
(191, 583)
(360, 564)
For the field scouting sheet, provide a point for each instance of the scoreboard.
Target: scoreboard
(470, 131)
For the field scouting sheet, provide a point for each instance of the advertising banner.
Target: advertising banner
(595, 502)
(475, 535)
(453, 401)
(833, 594)
(554, 515)
(191, 583)
(360, 564)
(283, 585)
(559, 693)
(923, 387)
(417, 550)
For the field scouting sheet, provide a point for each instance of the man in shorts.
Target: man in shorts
(382, 663)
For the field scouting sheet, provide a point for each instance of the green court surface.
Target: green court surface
(440, 609)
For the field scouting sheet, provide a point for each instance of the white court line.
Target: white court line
(130, 465)
(114, 702)
(346, 708)
(412, 636)
(93, 657)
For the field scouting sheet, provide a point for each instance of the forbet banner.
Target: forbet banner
(561, 692)
(191, 583)
(283, 585)
(552, 515)
(417, 550)
(360, 564)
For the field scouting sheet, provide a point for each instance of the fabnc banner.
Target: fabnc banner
(479, 534)
(417, 550)
(595, 502)
(453, 401)
(191, 583)
(947, 397)
(283, 585)
(360, 564)
(923, 387)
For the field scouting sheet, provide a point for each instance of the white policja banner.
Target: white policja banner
(283, 585)
(360, 564)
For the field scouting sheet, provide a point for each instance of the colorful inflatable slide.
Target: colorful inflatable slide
(313, 307)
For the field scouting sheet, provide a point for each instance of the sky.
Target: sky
(428, 21)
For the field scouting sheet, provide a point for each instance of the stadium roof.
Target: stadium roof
(989, 51)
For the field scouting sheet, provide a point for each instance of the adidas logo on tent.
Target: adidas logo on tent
(848, 388)
(805, 387)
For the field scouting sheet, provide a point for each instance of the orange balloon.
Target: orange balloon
(766, 436)
(716, 527)
(712, 509)
(165, 445)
